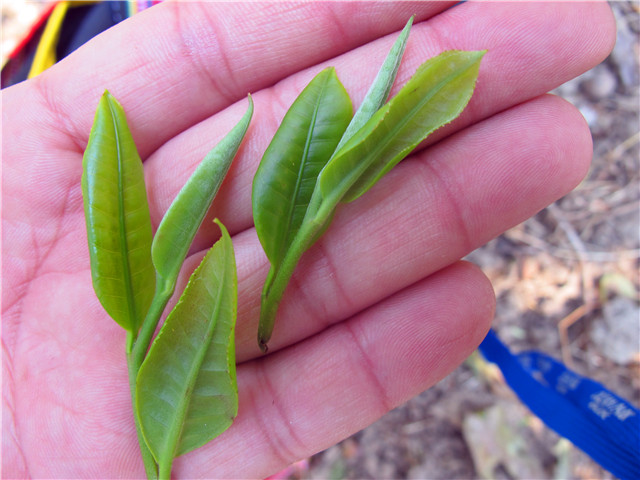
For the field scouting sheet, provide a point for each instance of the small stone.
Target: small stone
(602, 83)
(617, 333)
(500, 439)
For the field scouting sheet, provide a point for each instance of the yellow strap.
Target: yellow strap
(45, 55)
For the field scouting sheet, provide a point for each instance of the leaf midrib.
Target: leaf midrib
(124, 243)
(177, 428)
(292, 205)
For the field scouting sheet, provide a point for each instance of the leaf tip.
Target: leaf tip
(223, 229)
(478, 54)
(108, 96)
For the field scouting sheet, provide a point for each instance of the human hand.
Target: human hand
(379, 310)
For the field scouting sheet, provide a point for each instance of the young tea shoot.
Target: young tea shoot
(183, 385)
(192, 361)
(319, 157)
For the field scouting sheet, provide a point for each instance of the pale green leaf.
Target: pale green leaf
(117, 218)
(437, 94)
(183, 218)
(186, 388)
(379, 90)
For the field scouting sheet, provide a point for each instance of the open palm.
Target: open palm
(379, 310)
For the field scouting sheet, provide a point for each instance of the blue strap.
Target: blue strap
(597, 421)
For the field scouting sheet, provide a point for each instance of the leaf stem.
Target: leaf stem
(165, 469)
(161, 297)
(150, 466)
(278, 278)
(136, 350)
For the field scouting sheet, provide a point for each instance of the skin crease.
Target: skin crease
(355, 337)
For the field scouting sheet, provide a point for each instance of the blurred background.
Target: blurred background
(567, 284)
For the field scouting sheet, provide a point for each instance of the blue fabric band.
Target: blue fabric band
(597, 421)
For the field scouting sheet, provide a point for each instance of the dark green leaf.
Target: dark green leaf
(433, 97)
(186, 387)
(117, 218)
(181, 222)
(301, 147)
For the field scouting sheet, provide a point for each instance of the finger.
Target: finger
(316, 393)
(427, 213)
(164, 65)
(540, 47)
(178, 63)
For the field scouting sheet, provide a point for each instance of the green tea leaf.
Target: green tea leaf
(117, 218)
(186, 388)
(381, 86)
(187, 211)
(433, 97)
(300, 148)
